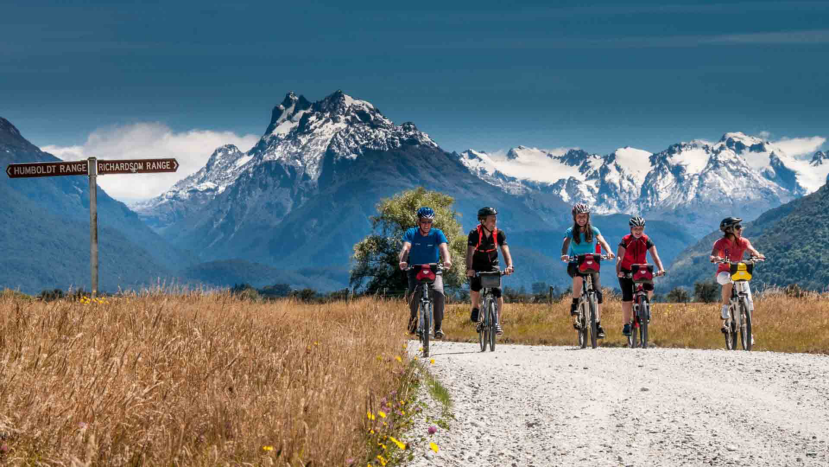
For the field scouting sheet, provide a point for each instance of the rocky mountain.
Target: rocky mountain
(696, 183)
(793, 237)
(44, 231)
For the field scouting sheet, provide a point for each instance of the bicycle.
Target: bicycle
(587, 305)
(739, 320)
(425, 276)
(488, 317)
(641, 274)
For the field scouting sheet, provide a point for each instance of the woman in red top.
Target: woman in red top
(731, 246)
(632, 250)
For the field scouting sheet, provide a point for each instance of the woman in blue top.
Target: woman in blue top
(585, 240)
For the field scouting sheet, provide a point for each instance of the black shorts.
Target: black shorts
(475, 286)
(627, 286)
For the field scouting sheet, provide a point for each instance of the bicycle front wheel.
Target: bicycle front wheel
(427, 310)
(746, 326)
(482, 328)
(644, 314)
(582, 319)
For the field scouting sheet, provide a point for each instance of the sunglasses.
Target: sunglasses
(739, 227)
(425, 222)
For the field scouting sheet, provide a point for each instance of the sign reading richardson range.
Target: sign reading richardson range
(91, 167)
(133, 166)
(47, 169)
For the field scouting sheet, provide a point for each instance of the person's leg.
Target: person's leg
(726, 294)
(627, 299)
(413, 301)
(438, 305)
(598, 288)
(475, 297)
(500, 306)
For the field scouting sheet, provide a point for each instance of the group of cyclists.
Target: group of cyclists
(424, 244)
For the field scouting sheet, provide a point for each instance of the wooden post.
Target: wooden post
(550, 294)
(93, 223)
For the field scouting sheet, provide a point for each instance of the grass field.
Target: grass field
(212, 379)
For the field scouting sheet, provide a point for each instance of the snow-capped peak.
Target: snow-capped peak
(635, 162)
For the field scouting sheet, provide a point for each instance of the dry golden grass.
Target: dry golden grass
(194, 379)
(780, 323)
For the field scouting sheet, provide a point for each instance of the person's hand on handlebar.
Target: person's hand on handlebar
(714, 259)
(403, 265)
(508, 270)
(471, 273)
(661, 272)
(565, 258)
(447, 264)
(620, 274)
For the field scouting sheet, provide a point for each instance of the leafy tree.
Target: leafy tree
(678, 295)
(276, 290)
(707, 292)
(539, 288)
(376, 257)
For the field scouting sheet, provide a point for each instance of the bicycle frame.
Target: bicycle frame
(486, 322)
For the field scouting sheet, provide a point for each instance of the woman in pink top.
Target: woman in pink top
(732, 246)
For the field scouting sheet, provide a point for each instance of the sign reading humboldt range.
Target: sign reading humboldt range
(91, 167)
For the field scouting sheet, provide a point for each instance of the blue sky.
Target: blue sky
(483, 75)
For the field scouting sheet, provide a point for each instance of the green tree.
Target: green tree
(707, 291)
(678, 295)
(375, 257)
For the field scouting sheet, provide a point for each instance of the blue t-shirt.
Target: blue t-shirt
(583, 247)
(424, 249)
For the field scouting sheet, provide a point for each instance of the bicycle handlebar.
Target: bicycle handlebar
(752, 259)
(602, 257)
(438, 266)
(501, 272)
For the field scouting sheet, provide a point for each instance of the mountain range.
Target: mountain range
(298, 201)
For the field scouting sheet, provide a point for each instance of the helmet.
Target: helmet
(425, 212)
(636, 221)
(580, 208)
(487, 211)
(727, 224)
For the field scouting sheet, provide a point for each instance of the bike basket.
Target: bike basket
(425, 274)
(490, 280)
(642, 273)
(741, 271)
(588, 264)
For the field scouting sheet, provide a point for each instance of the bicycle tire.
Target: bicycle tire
(492, 311)
(632, 336)
(482, 326)
(592, 304)
(746, 329)
(727, 337)
(427, 326)
(644, 315)
(582, 321)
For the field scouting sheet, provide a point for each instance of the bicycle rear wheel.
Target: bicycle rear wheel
(592, 304)
(746, 328)
(644, 315)
(483, 338)
(492, 312)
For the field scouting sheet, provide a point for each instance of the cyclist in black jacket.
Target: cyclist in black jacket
(483, 255)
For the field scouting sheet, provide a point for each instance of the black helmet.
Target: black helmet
(486, 211)
(727, 224)
(636, 221)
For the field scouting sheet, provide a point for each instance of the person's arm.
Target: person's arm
(715, 255)
(660, 270)
(565, 244)
(470, 251)
(404, 255)
(753, 251)
(620, 254)
(605, 245)
(508, 259)
(445, 253)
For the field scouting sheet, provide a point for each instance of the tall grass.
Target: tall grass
(780, 323)
(193, 379)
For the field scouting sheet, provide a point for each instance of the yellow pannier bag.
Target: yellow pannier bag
(741, 271)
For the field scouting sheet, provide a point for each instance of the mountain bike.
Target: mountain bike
(740, 306)
(425, 276)
(641, 274)
(488, 317)
(587, 306)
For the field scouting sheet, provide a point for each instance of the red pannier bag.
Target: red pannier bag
(588, 263)
(642, 273)
(426, 273)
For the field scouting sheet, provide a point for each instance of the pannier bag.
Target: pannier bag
(642, 273)
(741, 271)
(588, 263)
(426, 273)
(490, 280)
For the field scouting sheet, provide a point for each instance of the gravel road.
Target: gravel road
(537, 405)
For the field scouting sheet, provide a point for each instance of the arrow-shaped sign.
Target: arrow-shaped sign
(137, 166)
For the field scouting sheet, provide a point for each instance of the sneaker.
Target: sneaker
(724, 312)
(627, 330)
(600, 332)
(724, 329)
(439, 334)
(576, 323)
(478, 327)
(573, 309)
(474, 315)
(499, 330)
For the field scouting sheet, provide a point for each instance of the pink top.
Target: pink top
(731, 250)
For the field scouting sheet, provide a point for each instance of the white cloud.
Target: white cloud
(800, 147)
(149, 141)
(765, 135)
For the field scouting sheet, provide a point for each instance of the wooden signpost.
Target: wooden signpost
(92, 168)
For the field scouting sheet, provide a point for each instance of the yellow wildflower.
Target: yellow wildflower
(370, 415)
(382, 460)
(267, 448)
(433, 446)
(398, 358)
(432, 362)
(382, 414)
(399, 444)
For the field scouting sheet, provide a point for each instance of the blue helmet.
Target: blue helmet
(426, 212)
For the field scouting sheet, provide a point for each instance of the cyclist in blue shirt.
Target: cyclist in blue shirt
(583, 238)
(422, 245)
